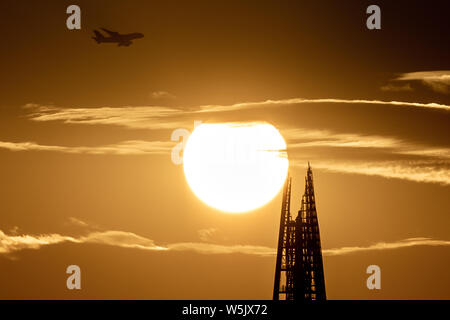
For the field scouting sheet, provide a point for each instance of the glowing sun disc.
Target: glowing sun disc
(235, 167)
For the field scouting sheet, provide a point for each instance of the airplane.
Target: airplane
(115, 37)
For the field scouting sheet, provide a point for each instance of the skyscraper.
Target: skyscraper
(299, 267)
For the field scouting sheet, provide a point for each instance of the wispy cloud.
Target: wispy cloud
(294, 101)
(297, 138)
(205, 234)
(9, 244)
(300, 138)
(157, 117)
(406, 243)
(417, 171)
(131, 147)
(78, 222)
(123, 239)
(396, 87)
(13, 243)
(437, 80)
(426, 164)
(210, 248)
(147, 117)
(433, 171)
(436, 169)
(162, 95)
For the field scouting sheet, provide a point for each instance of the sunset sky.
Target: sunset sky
(85, 145)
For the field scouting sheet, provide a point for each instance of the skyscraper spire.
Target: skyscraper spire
(283, 265)
(299, 269)
(308, 275)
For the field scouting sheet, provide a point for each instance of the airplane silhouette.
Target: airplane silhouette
(115, 37)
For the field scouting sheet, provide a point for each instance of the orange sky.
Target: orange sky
(85, 146)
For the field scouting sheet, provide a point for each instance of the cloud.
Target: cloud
(438, 81)
(301, 138)
(406, 243)
(131, 147)
(148, 117)
(9, 244)
(396, 87)
(443, 153)
(433, 171)
(78, 222)
(156, 117)
(297, 138)
(209, 248)
(121, 239)
(162, 95)
(13, 243)
(294, 101)
(417, 171)
(434, 168)
(205, 234)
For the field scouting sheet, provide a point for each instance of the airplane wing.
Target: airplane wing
(111, 33)
(98, 37)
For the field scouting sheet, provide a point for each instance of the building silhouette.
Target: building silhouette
(299, 267)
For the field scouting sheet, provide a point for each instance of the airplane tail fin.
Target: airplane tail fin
(98, 36)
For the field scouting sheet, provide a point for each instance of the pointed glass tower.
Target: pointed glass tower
(299, 267)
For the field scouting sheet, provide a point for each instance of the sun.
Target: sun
(235, 167)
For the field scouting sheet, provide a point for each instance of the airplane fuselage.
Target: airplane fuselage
(115, 37)
(122, 38)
